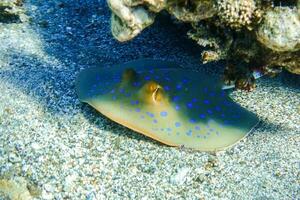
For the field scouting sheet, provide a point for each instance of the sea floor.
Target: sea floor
(52, 146)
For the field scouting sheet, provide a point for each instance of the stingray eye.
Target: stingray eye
(158, 95)
(151, 86)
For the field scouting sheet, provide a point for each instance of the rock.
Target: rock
(280, 29)
(14, 158)
(127, 22)
(180, 177)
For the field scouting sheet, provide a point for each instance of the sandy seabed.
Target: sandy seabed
(55, 147)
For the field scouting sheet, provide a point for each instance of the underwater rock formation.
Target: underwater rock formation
(10, 11)
(250, 34)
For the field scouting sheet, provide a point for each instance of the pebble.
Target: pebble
(14, 158)
(180, 177)
(47, 195)
(35, 146)
(48, 187)
(69, 182)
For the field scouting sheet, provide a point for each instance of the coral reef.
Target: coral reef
(250, 34)
(10, 11)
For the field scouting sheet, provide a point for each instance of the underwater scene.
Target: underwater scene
(149, 99)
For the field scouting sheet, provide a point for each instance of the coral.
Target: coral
(237, 13)
(248, 34)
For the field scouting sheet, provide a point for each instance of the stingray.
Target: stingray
(163, 101)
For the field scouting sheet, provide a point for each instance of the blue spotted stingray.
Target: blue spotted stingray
(161, 100)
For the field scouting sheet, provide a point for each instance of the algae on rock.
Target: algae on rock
(249, 34)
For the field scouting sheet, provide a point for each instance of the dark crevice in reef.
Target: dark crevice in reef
(285, 3)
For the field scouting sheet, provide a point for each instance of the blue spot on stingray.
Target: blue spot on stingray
(209, 111)
(189, 133)
(155, 121)
(193, 121)
(177, 107)
(142, 116)
(217, 108)
(147, 78)
(189, 105)
(150, 114)
(137, 110)
(175, 98)
(178, 86)
(202, 116)
(177, 124)
(136, 84)
(205, 89)
(206, 101)
(134, 102)
(194, 100)
(197, 128)
(112, 91)
(163, 114)
(185, 80)
(128, 94)
(122, 90)
(151, 71)
(167, 88)
(223, 115)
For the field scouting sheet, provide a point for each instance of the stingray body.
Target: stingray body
(160, 100)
